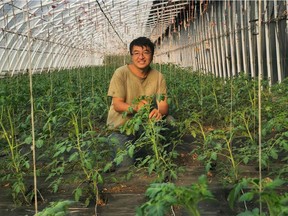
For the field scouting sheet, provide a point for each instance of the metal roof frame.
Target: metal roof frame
(87, 27)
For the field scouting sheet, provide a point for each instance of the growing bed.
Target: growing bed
(216, 147)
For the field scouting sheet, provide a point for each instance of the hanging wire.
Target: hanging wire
(32, 106)
(110, 23)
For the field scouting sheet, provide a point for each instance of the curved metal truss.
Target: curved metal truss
(55, 34)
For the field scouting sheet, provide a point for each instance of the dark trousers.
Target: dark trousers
(119, 141)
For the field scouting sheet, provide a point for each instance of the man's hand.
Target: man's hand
(140, 105)
(155, 114)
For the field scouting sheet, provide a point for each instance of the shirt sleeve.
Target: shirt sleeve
(117, 86)
(163, 86)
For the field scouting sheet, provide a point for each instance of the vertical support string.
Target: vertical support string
(260, 67)
(32, 106)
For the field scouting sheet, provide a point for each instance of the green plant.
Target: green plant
(220, 114)
(80, 150)
(194, 126)
(57, 96)
(59, 208)
(164, 195)
(152, 137)
(220, 149)
(264, 192)
(17, 162)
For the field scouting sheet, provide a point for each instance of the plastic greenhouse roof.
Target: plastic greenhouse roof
(96, 26)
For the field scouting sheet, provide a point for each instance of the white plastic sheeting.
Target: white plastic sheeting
(226, 38)
(52, 34)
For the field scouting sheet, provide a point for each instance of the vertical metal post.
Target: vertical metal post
(231, 21)
(237, 30)
(277, 43)
(214, 41)
(251, 52)
(267, 42)
(222, 40)
(244, 35)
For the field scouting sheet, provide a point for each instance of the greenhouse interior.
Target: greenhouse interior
(151, 107)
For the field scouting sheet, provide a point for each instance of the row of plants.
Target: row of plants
(70, 113)
(223, 116)
(70, 109)
(224, 120)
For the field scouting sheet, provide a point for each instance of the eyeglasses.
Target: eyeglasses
(138, 54)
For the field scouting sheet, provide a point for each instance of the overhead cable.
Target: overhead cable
(110, 22)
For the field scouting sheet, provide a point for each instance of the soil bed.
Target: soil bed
(121, 198)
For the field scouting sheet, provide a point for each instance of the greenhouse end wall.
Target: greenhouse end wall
(222, 38)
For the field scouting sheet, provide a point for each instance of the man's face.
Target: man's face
(141, 56)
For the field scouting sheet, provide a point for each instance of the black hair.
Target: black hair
(143, 42)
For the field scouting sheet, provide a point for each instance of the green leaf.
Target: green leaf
(73, 157)
(173, 174)
(274, 184)
(208, 166)
(273, 153)
(214, 156)
(158, 210)
(87, 201)
(100, 179)
(119, 159)
(193, 133)
(129, 176)
(235, 192)
(26, 164)
(246, 197)
(62, 149)
(131, 151)
(55, 209)
(128, 131)
(245, 159)
(202, 157)
(39, 143)
(151, 168)
(77, 194)
(107, 166)
(54, 119)
(218, 146)
(88, 164)
(62, 213)
(28, 140)
(136, 127)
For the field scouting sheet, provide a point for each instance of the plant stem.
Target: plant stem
(78, 146)
(153, 138)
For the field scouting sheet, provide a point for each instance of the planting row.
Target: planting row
(70, 110)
